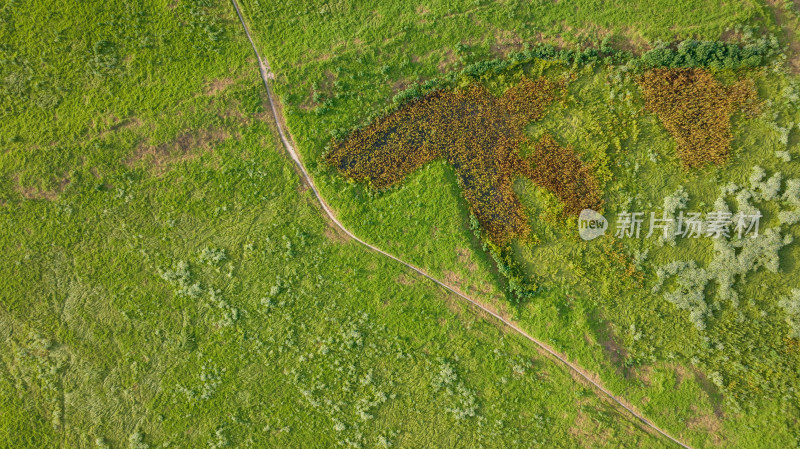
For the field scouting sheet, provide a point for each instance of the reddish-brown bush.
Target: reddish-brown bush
(479, 135)
(696, 109)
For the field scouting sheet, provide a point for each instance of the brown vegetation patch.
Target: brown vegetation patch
(102, 127)
(403, 279)
(506, 42)
(465, 259)
(324, 88)
(400, 85)
(711, 390)
(561, 171)
(311, 58)
(614, 252)
(708, 424)
(217, 86)
(129, 123)
(793, 345)
(790, 27)
(422, 12)
(645, 374)
(629, 39)
(454, 279)
(590, 432)
(478, 134)
(680, 374)
(335, 234)
(38, 193)
(696, 110)
(185, 147)
(614, 351)
(448, 59)
(731, 35)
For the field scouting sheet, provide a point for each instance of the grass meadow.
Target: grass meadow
(171, 283)
(732, 383)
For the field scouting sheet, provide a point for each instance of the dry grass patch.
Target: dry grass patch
(696, 110)
(187, 146)
(218, 85)
(40, 193)
(709, 424)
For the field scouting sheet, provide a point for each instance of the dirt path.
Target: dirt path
(266, 74)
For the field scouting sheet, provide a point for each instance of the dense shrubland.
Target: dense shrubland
(692, 53)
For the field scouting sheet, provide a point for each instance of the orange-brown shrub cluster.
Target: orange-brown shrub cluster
(560, 170)
(696, 109)
(478, 134)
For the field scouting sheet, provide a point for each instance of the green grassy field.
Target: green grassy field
(171, 283)
(225, 311)
(735, 381)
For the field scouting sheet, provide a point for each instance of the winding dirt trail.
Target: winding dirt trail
(266, 74)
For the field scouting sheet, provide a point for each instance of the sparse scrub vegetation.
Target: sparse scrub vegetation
(603, 119)
(212, 256)
(136, 441)
(181, 277)
(733, 258)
